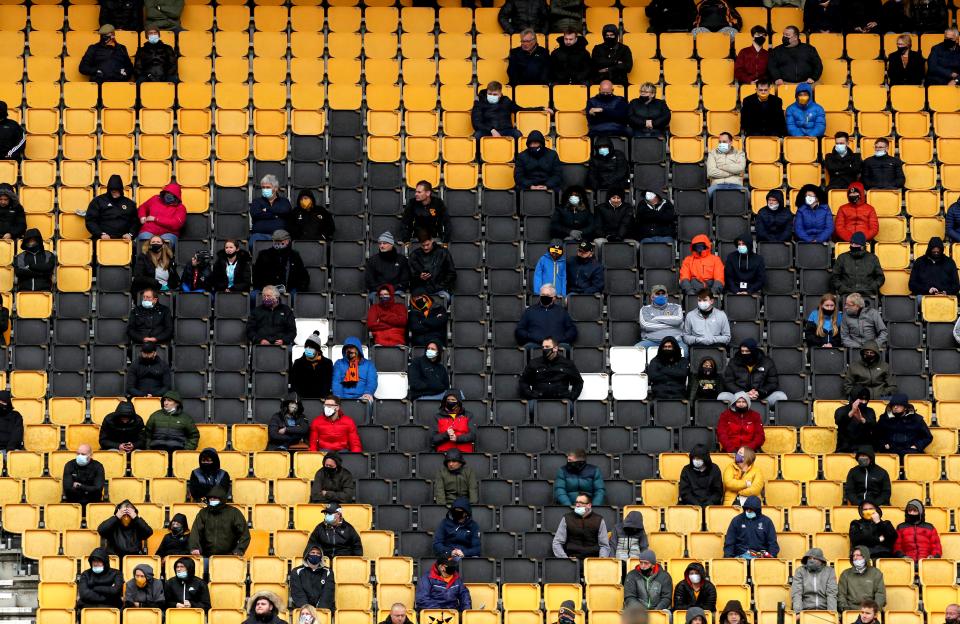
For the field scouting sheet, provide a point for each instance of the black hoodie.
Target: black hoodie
(428, 377)
(871, 483)
(34, 265)
(296, 433)
(539, 167)
(387, 267)
(774, 226)
(12, 137)
(570, 64)
(100, 590)
(280, 267)
(148, 377)
(191, 589)
(934, 272)
(207, 476)
(124, 540)
(113, 217)
(685, 596)
(659, 220)
(745, 272)
(121, 426)
(611, 55)
(218, 281)
(879, 537)
(315, 223)
(607, 172)
(176, 544)
(312, 586)
(668, 376)
(13, 220)
(311, 378)
(852, 434)
(704, 486)
(333, 486)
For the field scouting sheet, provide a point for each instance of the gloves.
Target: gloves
(576, 234)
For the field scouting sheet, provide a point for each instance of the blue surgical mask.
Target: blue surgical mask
(329, 518)
(750, 514)
(492, 99)
(841, 148)
(214, 503)
(723, 148)
(267, 193)
(182, 574)
(147, 303)
(742, 249)
(153, 38)
(574, 200)
(96, 569)
(580, 511)
(431, 353)
(310, 352)
(83, 460)
(291, 422)
(604, 151)
(660, 300)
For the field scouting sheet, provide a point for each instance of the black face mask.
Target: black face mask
(858, 252)
(912, 518)
(548, 354)
(759, 40)
(156, 248)
(699, 248)
(4, 408)
(452, 567)
(786, 41)
(264, 617)
(451, 405)
(647, 572)
(902, 49)
(327, 470)
(545, 301)
(230, 254)
(176, 529)
(853, 197)
(458, 516)
(576, 466)
(740, 409)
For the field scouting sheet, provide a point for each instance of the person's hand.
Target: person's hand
(913, 446)
(151, 218)
(131, 512)
(452, 436)
(7, 237)
(743, 292)
(876, 520)
(538, 187)
(955, 75)
(494, 132)
(605, 70)
(934, 291)
(595, 110)
(548, 110)
(264, 341)
(649, 123)
(456, 552)
(76, 486)
(143, 220)
(120, 512)
(952, 83)
(367, 397)
(128, 237)
(282, 430)
(186, 604)
(181, 605)
(870, 26)
(749, 483)
(576, 234)
(810, 80)
(193, 261)
(123, 72)
(194, 552)
(827, 346)
(278, 342)
(126, 447)
(753, 394)
(886, 446)
(779, 82)
(424, 276)
(104, 236)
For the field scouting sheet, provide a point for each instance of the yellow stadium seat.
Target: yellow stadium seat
(14, 18)
(357, 570)
(464, 175)
(762, 149)
(380, 543)
(226, 568)
(57, 595)
(289, 544)
(938, 572)
(667, 545)
(602, 571)
(38, 543)
(80, 543)
(21, 517)
(682, 519)
(939, 309)
(58, 569)
(817, 440)
(227, 595)
(520, 596)
(718, 517)
(148, 464)
(944, 441)
(659, 493)
(35, 304)
(82, 434)
(187, 616)
(127, 488)
(40, 437)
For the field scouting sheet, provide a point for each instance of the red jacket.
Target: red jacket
(334, 435)
(858, 217)
(387, 322)
(736, 430)
(750, 65)
(918, 541)
(463, 427)
(169, 219)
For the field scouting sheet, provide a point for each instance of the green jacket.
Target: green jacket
(164, 14)
(170, 432)
(857, 586)
(448, 486)
(862, 275)
(220, 530)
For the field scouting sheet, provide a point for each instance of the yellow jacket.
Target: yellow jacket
(736, 484)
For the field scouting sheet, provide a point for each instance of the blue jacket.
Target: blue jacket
(550, 271)
(953, 222)
(452, 534)
(745, 534)
(584, 278)
(942, 63)
(613, 119)
(814, 225)
(569, 484)
(539, 322)
(268, 219)
(435, 593)
(806, 120)
(367, 372)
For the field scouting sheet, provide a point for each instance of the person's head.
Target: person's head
(447, 566)
(314, 556)
(115, 186)
(156, 244)
(432, 350)
(904, 43)
(494, 92)
(669, 350)
(658, 295)
(759, 36)
(774, 199)
(791, 36)
(935, 248)
(269, 296)
(705, 300)
(451, 402)
(152, 33)
(550, 348)
(423, 192)
(333, 514)
(745, 457)
(899, 404)
(575, 197)
(139, 577)
(570, 37)
(853, 304)
(263, 606)
(583, 504)
(864, 457)
(269, 185)
(84, 453)
(170, 402)
(453, 460)
(827, 315)
(231, 247)
(528, 40)
(426, 242)
(869, 352)
(724, 142)
(576, 460)
(585, 251)
(281, 239)
(646, 561)
(859, 561)
(950, 37)
(652, 197)
(952, 614)
(384, 294)
(108, 34)
(733, 613)
(398, 613)
(763, 89)
(606, 87)
(841, 142)
(331, 407)
(881, 147)
(148, 351)
(611, 33)
(708, 367)
(749, 350)
(180, 569)
(811, 197)
(867, 509)
(5, 198)
(459, 514)
(385, 242)
(700, 246)
(913, 514)
(740, 404)
(648, 91)
(744, 244)
(548, 293)
(96, 564)
(5, 399)
(148, 298)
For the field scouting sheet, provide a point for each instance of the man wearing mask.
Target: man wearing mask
(656, 219)
(805, 117)
(843, 165)
(952, 614)
(528, 63)
(269, 212)
(608, 168)
(288, 428)
(144, 590)
(551, 269)
(426, 212)
(647, 115)
(333, 430)
(150, 321)
(34, 265)
(745, 271)
(861, 323)
(13, 219)
(902, 430)
(750, 66)
(573, 220)
(537, 168)
(458, 535)
(934, 273)
(794, 61)
(695, 591)
(208, 475)
(628, 538)
(335, 536)
(333, 482)
(515, 16)
(219, 528)
(432, 269)
(774, 221)
(701, 483)
(149, 375)
(107, 60)
(550, 376)
(427, 321)
(112, 215)
(578, 476)
(454, 480)
(857, 270)
(11, 425)
(428, 377)
(856, 216)
(702, 269)
(866, 481)
(271, 322)
(725, 166)
(442, 587)
(99, 586)
(312, 583)
(125, 532)
(354, 376)
(648, 585)
(611, 60)
(185, 590)
(545, 318)
(872, 532)
(584, 273)
(607, 113)
(121, 429)
(387, 319)
(281, 266)
(311, 374)
(177, 541)
(943, 65)
(762, 112)
(916, 538)
(855, 421)
(492, 113)
(13, 139)
(581, 533)
(156, 61)
(83, 478)
(883, 171)
(751, 534)
(668, 371)
(753, 372)
(814, 586)
(706, 325)
(386, 266)
(309, 220)
(168, 428)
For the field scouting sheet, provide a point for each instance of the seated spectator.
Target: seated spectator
(725, 166)
(857, 270)
(814, 220)
(578, 476)
(333, 430)
(432, 270)
(280, 266)
(608, 169)
(83, 478)
(814, 586)
(121, 430)
(870, 372)
(149, 375)
(668, 371)
(387, 319)
(695, 590)
(607, 112)
(750, 66)
(185, 590)
(198, 274)
(855, 421)
(219, 528)
(288, 429)
(264, 607)
(99, 586)
(706, 383)
(168, 428)
(232, 269)
(567, 15)
(670, 15)
(733, 613)
(647, 115)
(751, 535)
(928, 16)
(387, 266)
(13, 139)
(745, 271)
(628, 538)
(696, 615)
(309, 220)
(900, 429)
(515, 16)
(144, 591)
(176, 541)
(455, 480)
(843, 165)
(762, 112)
(156, 61)
(458, 535)
(861, 16)
(916, 538)
(125, 532)
(335, 536)
(611, 59)
(573, 219)
(311, 374)
(427, 374)
(870, 531)
(551, 375)
(107, 60)
(660, 319)
(952, 226)
(706, 325)
(424, 211)
(805, 117)
(856, 216)
(754, 373)
(869, 609)
(822, 17)
(905, 66)
(701, 483)
(164, 14)
(311, 583)
(208, 475)
(584, 273)
(124, 14)
(442, 587)
(934, 273)
(882, 171)
(774, 221)
(426, 321)
(822, 327)
(649, 585)
(155, 267)
(269, 211)
(861, 322)
(570, 60)
(543, 319)
(739, 426)
(943, 64)
(742, 479)
(551, 269)
(717, 16)
(794, 61)
(272, 322)
(13, 219)
(11, 425)
(581, 533)
(354, 376)
(455, 426)
(492, 113)
(867, 481)
(163, 215)
(34, 265)
(701, 270)
(528, 63)
(111, 214)
(656, 219)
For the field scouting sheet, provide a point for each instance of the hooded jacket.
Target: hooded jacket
(704, 486)
(164, 14)
(737, 484)
(242, 272)
(124, 540)
(538, 167)
(435, 592)
(170, 219)
(943, 62)
(703, 266)
(432, 217)
(487, 116)
(774, 226)
(272, 324)
(813, 224)
(460, 420)
(334, 435)
(726, 167)
(148, 597)
(750, 534)
(452, 535)
(736, 430)
(870, 483)
(335, 540)
(794, 65)
(570, 482)
(858, 585)
(655, 111)
(732, 606)
(745, 272)
(427, 321)
(613, 170)
(448, 486)
(335, 485)
(515, 15)
(388, 267)
(843, 170)
(883, 172)
(278, 607)
(220, 530)
(296, 426)
(170, 432)
(659, 220)
(628, 538)
(611, 55)
(439, 264)
(867, 325)
(874, 376)
(851, 433)
(205, 477)
(312, 378)
(367, 381)
(155, 62)
(856, 216)
(12, 136)
(550, 271)
(879, 537)
(148, 377)
(762, 117)
(113, 217)
(612, 118)
(427, 377)
(100, 590)
(11, 425)
(567, 217)
(34, 267)
(808, 119)
(930, 272)
(918, 541)
(814, 590)
(668, 377)
(314, 224)
(528, 68)
(387, 321)
(558, 378)
(122, 14)
(312, 586)
(539, 322)
(614, 224)
(903, 435)
(653, 592)
(267, 217)
(176, 544)
(191, 589)
(686, 596)
(13, 219)
(107, 63)
(754, 372)
(706, 329)
(584, 276)
(658, 322)
(89, 482)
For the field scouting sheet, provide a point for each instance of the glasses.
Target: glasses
(329, 404)
(527, 40)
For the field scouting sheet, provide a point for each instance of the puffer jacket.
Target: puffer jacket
(367, 373)
(879, 537)
(668, 378)
(613, 170)
(155, 62)
(540, 167)
(335, 485)
(176, 544)
(856, 217)
(170, 219)
(796, 64)
(148, 597)
(903, 435)
(567, 217)
(387, 322)
(748, 484)
(435, 592)
(170, 432)
(164, 14)
(584, 276)
(428, 377)
(857, 585)
(452, 535)
(114, 217)
(814, 590)
(701, 487)
(738, 430)
(918, 541)
(628, 538)
(813, 224)
(550, 271)
(280, 267)
(34, 267)
(686, 596)
(570, 482)
(871, 483)
(750, 534)
(334, 435)
(448, 486)
(13, 219)
(388, 267)
(704, 266)
(774, 226)
(866, 325)
(874, 377)
(654, 592)
(220, 530)
(809, 120)
(113, 432)
(191, 589)
(460, 420)
(759, 372)
(930, 272)
(208, 476)
(123, 539)
(515, 15)
(100, 590)
(883, 172)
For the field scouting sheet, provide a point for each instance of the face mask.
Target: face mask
(803, 98)
(880, 153)
(857, 252)
(176, 529)
(153, 38)
(699, 248)
(452, 567)
(269, 302)
(96, 569)
(580, 511)
(814, 565)
(576, 466)
(431, 353)
(649, 196)
(742, 249)
(534, 150)
(694, 578)
(859, 563)
(647, 572)
(169, 199)
(230, 254)
(773, 206)
(548, 353)
(863, 461)
(310, 352)
(492, 99)
(306, 618)
(738, 458)
(853, 197)
(181, 574)
(913, 518)
(458, 516)
(141, 582)
(750, 514)
(660, 300)
(902, 49)
(545, 300)
(841, 148)
(214, 502)
(786, 41)
(698, 463)
(314, 559)
(451, 405)
(171, 409)
(267, 193)
(83, 460)
(810, 200)
(147, 303)
(759, 40)
(740, 409)
(329, 411)
(574, 200)
(279, 245)
(329, 518)
(385, 299)
(647, 97)
(704, 305)
(604, 151)
(723, 148)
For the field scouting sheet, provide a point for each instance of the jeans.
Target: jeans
(771, 399)
(170, 238)
(644, 344)
(713, 188)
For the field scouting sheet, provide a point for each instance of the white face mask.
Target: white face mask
(492, 99)
(603, 151)
(810, 200)
(773, 206)
(698, 463)
(694, 578)
(574, 200)
(880, 153)
(329, 411)
(153, 38)
(723, 148)
(859, 563)
(841, 148)
(431, 353)
(649, 196)
(704, 305)
(83, 460)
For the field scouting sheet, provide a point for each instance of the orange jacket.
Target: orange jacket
(858, 217)
(702, 266)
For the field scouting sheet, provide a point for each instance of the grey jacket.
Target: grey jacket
(814, 591)
(868, 325)
(710, 330)
(651, 592)
(624, 545)
(657, 323)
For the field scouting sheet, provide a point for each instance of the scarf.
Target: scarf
(352, 376)
(424, 306)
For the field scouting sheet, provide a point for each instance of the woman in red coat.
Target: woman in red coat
(856, 216)
(739, 426)
(163, 215)
(455, 426)
(333, 430)
(387, 320)
(917, 538)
